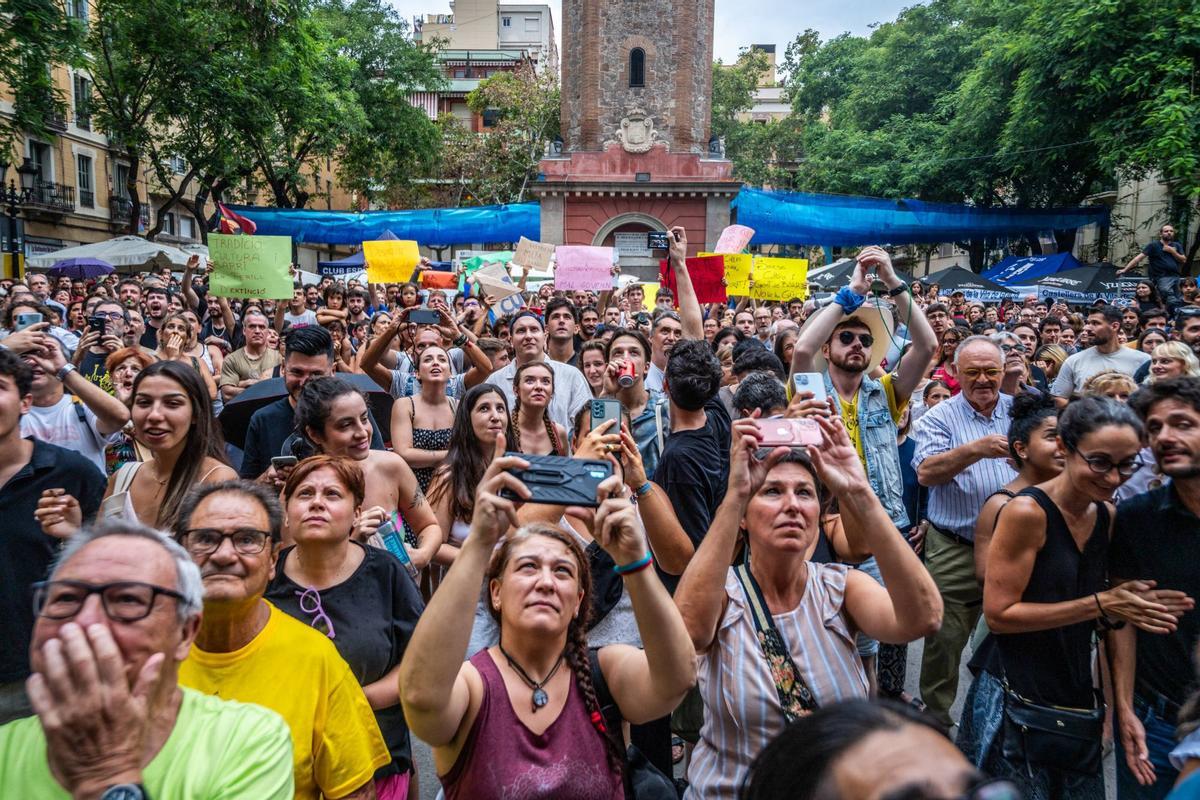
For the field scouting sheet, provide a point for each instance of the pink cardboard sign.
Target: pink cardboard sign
(583, 267)
(734, 239)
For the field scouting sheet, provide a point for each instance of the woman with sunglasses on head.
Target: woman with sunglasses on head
(1045, 595)
(524, 717)
(332, 414)
(360, 597)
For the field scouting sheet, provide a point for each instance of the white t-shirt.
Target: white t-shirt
(654, 377)
(302, 319)
(1082, 365)
(60, 424)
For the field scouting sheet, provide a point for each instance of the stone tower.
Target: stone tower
(644, 63)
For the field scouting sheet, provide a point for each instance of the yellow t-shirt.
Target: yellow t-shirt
(218, 749)
(850, 412)
(295, 671)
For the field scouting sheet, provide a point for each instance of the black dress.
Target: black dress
(373, 612)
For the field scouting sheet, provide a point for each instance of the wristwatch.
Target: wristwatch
(125, 791)
(64, 371)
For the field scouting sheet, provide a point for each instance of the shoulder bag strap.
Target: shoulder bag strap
(796, 699)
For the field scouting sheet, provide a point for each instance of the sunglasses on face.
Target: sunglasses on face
(847, 338)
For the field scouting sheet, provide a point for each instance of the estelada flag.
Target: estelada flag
(232, 222)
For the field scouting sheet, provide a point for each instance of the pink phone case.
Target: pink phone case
(784, 432)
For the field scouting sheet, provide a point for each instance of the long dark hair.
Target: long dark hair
(576, 652)
(466, 461)
(204, 439)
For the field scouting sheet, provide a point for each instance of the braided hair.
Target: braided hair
(576, 652)
(550, 430)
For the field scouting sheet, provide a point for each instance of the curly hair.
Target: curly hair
(576, 652)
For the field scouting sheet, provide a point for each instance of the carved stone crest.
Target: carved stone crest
(637, 134)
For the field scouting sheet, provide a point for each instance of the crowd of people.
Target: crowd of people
(1012, 485)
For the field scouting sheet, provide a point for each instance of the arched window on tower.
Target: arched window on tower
(637, 67)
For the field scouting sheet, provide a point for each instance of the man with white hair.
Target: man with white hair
(114, 621)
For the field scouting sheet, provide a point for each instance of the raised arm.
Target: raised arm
(111, 413)
(924, 340)
(649, 683)
(435, 683)
(1133, 262)
(690, 318)
(369, 358)
(817, 329)
(190, 298)
(669, 542)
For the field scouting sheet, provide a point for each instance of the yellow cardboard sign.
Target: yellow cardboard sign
(778, 278)
(390, 260)
(649, 298)
(737, 273)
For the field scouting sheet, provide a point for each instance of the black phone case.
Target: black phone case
(559, 480)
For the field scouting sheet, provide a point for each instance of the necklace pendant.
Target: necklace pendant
(540, 698)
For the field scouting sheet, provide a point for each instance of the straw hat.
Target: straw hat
(878, 317)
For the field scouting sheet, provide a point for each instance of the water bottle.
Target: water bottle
(394, 543)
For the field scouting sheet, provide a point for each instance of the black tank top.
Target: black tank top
(1054, 667)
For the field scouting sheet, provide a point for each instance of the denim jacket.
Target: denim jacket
(877, 432)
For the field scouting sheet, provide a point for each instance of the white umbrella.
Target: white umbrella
(123, 251)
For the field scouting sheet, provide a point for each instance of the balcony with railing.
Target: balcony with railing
(50, 198)
(87, 198)
(120, 210)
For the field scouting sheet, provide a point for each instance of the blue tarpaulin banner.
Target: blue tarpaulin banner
(427, 226)
(1023, 270)
(837, 220)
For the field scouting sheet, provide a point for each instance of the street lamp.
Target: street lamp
(12, 198)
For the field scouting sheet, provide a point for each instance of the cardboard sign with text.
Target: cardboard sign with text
(737, 272)
(707, 274)
(391, 260)
(779, 278)
(583, 267)
(533, 255)
(250, 266)
(473, 264)
(494, 279)
(734, 239)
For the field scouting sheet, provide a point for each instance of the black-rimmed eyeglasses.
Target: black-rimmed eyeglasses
(206, 541)
(123, 601)
(1102, 465)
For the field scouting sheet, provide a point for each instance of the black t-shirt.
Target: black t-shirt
(269, 428)
(373, 612)
(149, 338)
(1161, 263)
(693, 470)
(92, 368)
(233, 337)
(26, 552)
(1156, 538)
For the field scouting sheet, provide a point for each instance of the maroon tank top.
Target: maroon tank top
(503, 760)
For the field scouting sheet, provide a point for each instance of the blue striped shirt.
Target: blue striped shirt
(954, 505)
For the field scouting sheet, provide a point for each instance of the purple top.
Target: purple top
(503, 759)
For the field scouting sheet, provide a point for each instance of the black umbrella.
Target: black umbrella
(838, 275)
(974, 287)
(1087, 284)
(235, 417)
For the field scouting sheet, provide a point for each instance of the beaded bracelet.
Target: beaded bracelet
(636, 566)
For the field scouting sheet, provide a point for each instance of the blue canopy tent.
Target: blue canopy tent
(801, 218)
(1023, 271)
(433, 227)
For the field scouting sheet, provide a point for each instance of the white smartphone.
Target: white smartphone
(810, 382)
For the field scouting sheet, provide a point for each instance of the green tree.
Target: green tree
(36, 34)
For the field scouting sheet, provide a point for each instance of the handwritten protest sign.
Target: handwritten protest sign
(707, 274)
(779, 278)
(250, 266)
(533, 255)
(494, 279)
(737, 272)
(476, 262)
(734, 239)
(583, 267)
(435, 279)
(390, 260)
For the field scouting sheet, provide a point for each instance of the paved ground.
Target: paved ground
(430, 785)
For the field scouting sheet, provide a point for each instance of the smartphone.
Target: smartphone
(657, 240)
(283, 462)
(98, 324)
(424, 316)
(782, 432)
(604, 410)
(26, 319)
(394, 544)
(810, 382)
(559, 480)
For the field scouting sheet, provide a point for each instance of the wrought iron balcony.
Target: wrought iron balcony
(120, 209)
(50, 197)
(87, 198)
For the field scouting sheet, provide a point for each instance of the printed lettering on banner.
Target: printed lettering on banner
(390, 260)
(583, 267)
(779, 278)
(734, 239)
(250, 266)
(533, 255)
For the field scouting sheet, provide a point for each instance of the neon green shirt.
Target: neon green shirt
(219, 749)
